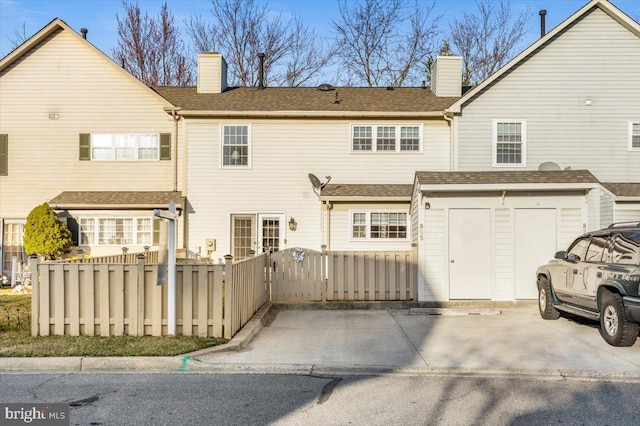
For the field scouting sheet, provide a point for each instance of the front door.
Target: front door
(256, 232)
(270, 232)
(469, 254)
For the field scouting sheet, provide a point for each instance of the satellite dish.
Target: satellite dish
(548, 166)
(317, 184)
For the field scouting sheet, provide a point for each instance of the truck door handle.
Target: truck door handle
(599, 275)
(575, 272)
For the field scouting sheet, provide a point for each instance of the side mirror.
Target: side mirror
(560, 255)
(573, 258)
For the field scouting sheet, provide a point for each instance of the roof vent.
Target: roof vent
(549, 165)
(325, 87)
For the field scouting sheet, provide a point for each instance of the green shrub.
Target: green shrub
(44, 234)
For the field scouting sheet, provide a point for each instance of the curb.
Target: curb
(243, 337)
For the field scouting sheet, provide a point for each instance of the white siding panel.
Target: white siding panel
(65, 76)
(504, 249)
(571, 226)
(597, 60)
(606, 209)
(283, 153)
(436, 252)
(627, 212)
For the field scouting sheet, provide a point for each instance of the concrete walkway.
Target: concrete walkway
(515, 341)
(381, 341)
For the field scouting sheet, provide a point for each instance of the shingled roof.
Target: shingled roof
(506, 177)
(307, 99)
(631, 190)
(354, 191)
(116, 199)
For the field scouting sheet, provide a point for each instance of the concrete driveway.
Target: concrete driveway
(516, 340)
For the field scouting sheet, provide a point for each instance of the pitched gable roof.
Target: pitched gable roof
(623, 191)
(59, 25)
(370, 192)
(506, 180)
(307, 101)
(603, 5)
(115, 199)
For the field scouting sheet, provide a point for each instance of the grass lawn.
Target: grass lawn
(16, 339)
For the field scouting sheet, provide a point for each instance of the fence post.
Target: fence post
(323, 272)
(228, 290)
(267, 275)
(140, 289)
(35, 295)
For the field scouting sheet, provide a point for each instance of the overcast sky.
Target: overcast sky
(99, 16)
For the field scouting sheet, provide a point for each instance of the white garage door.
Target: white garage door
(627, 214)
(535, 243)
(469, 254)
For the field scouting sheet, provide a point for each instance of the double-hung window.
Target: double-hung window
(379, 225)
(125, 147)
(236, 144)
(116, 231)
(386, 138)
(509, 143)
(634, 136)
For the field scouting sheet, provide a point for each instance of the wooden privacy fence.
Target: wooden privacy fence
(308, 275)
(375, 275)
(124, 299)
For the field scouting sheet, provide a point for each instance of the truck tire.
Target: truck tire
(615, 329)
(545, 300)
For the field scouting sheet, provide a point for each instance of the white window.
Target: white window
(386, 138)
(509, 143)
(634, 136)
(125, 147)
(236, 143)
(379, 226)
(12, 244)
(115, 231)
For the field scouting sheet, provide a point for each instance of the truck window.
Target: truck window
(625, 248)
(597, 249)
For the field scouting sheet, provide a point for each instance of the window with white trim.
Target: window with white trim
(125, 147)
(116, 231)
(634, 136)
(379, 225)
(386, 138)
(509, 143)
(235, 145)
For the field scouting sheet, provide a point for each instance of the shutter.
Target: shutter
(72, 224)
(85, 146)
(156, 231)
(4, 155)
(165, 146)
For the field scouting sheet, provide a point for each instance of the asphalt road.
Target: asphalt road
(220, 399)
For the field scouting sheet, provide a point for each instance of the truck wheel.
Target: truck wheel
(545, 301)
(616, 330)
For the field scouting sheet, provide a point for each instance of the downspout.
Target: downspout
(448, 116)
(176, 118)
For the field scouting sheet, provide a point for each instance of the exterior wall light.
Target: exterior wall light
(293, 224)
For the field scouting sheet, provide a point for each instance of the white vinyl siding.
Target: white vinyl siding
(236, 146)
(115, 231)
(283, 153)
(596, 59)
(125, 147)
(386, 138)
(634, 136)
(509, 143)
(59, 76)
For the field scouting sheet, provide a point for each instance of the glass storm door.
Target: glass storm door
(270, 232)
(243, 235)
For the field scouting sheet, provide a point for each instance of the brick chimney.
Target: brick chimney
(212, 73)
(446, 76)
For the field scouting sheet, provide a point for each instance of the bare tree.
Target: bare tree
(19, 36)
(242, 28)
(487, 39)
(151, 49)
(384, 43)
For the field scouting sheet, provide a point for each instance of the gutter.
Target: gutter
(311, 114)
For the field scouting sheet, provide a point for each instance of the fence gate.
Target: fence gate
(296, 274)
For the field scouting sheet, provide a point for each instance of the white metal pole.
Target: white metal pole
(171, 299)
